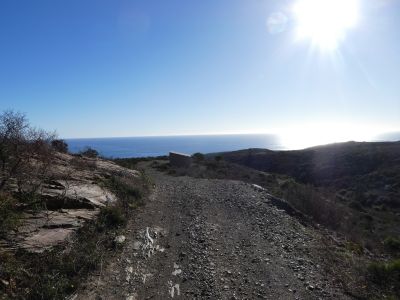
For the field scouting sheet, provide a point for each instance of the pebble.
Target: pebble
(120, 239)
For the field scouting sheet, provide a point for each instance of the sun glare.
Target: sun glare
(325, 22)
(300, 137)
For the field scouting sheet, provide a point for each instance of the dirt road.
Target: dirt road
(213, 239)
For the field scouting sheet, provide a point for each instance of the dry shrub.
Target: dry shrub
(25, 152)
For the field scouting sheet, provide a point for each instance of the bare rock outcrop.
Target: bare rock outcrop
(73, 195)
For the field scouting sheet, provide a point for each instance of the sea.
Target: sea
(125, 147)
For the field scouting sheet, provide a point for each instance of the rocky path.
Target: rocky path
(213, 239)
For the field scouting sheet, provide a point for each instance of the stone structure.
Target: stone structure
(179, 160)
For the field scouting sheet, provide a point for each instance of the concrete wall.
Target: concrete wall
(179, 160)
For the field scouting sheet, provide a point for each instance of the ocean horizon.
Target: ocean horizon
(124, 147)
(150, 146)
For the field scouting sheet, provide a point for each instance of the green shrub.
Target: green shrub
(378, 272)
(9, 216)
(111, 217)
(385, 273)
(394, 266)
(129, 163)
(60, 146)
(355, 248)
(198, 157)
(392, 244)
(129, 195)
(90, 152)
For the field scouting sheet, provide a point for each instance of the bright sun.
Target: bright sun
(307, 135)
(325, 22)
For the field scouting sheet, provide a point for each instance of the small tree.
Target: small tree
(90, 152)
(60, 146)
(25, 152)
(13, 144)
(198, 156)
(218, 158)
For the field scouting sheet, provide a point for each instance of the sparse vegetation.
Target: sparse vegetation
(57, 273)
(311, 202)
(25, 153)
(358, 199)
(392, 244)
(351, 187)
(27, 156)
(60, 146)
(111, 217)
(89, 152)
(355, 248)
(131, 163)
(218, 158)
(9, 215)
(337, 210)
(386, 274)
(198, 157)
(129, 196)
(82, 163)
(302, 197)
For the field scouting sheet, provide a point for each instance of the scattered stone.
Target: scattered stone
(300, 277)
(227, 241)
(5, 282)
(132, 297)
(136, 245)
(120, 239)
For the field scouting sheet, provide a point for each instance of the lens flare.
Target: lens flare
(308, 135)
(325, 22)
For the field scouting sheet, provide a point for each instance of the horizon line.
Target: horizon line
(166, 135)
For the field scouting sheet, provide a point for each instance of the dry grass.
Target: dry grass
(57, 273)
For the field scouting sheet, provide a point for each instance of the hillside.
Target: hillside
(213, 230)
(351, 187)
(368, 173)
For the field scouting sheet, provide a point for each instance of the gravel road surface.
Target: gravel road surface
(213, 239)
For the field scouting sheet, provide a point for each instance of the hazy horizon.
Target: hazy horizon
(286, 139)
(384, 136)
(144, 146)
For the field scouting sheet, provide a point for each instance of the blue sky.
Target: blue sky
(96, 68)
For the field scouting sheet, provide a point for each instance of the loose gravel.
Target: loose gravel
(214, 239)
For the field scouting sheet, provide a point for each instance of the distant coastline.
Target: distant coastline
(123, 147)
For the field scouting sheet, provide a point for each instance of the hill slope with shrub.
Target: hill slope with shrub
(366, 173)
(60, 214)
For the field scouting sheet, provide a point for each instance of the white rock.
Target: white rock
(132, 297)
(136, 245)
(120, 239)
